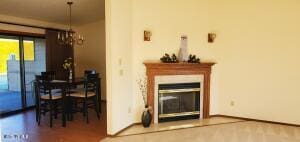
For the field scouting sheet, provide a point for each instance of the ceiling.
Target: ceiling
(57, 11)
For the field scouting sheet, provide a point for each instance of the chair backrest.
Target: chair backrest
(50, 74)
(44, 86)
(90, 72)
(41, 87)
(40, 80)
(91, 83)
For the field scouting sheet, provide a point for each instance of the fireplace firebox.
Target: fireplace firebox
(178, 101)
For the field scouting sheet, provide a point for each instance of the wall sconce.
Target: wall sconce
(147, 35)
(211, 37)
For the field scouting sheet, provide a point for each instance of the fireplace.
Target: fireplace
(178, 73)
(178, 101)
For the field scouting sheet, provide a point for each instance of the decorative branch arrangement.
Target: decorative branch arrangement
(193, 59)
(167, 59)
(142, 83)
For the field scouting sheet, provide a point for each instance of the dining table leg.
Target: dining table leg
(36, 102)
(70, 111)
(64, 104)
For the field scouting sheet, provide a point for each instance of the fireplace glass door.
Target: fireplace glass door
(178, 101)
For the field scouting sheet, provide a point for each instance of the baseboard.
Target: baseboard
(114, 135)
(7, 114)
(258, 120)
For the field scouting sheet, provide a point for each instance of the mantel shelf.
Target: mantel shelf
(178, 65)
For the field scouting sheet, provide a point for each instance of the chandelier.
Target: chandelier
(69, 37)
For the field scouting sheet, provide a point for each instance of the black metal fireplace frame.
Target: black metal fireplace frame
(181, 86)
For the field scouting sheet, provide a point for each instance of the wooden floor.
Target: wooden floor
(75, 131)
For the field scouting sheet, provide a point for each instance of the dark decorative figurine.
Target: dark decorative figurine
(193, 59)
(167, 59)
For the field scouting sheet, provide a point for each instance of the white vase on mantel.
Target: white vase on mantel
(183, 55)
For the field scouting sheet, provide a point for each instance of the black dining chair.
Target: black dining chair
(51, 75)
(90, 72)
(80, 87)
(49, 100)
(89, 93)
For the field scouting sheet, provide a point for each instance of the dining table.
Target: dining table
(71, 86)
(67, 87)
(72, 82)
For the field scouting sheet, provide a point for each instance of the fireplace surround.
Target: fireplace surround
(158, 72)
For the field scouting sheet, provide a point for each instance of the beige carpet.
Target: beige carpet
(249, 131)
(174, 125)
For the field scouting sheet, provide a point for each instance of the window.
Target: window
(9, 49)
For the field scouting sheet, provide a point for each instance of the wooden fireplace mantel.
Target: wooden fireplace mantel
(155, 68)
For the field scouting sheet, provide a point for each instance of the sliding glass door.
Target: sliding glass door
(21, 58)
(10, 84)
(34, 64)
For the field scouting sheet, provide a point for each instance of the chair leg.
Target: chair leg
(99, 103)
(96, 104)
(83, 108)
(64, 107)
(70, 111)
(86, 110)
(50, 108)
(36, 101)
(39, 114)
(55, 110)
(75, 104)
(37, 111)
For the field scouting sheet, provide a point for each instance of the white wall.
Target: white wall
(256, 51)
(91, 55)
(118, 64)
(168, 20)
(258, 58)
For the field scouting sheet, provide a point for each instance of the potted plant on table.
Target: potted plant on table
(68, 65)
(146, 115)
